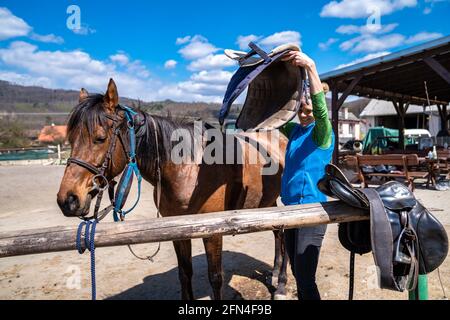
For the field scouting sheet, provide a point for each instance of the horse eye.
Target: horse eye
(99, 140)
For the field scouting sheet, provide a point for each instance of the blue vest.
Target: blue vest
(304, 167)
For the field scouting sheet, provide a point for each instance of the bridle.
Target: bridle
(101, 183)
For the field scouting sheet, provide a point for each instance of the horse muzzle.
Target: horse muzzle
(72, 206)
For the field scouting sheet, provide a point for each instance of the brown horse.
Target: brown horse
(186, 188)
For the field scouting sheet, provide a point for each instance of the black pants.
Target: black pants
(304, 259)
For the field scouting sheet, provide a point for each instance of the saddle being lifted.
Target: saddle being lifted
(275, 88)
(405, 238)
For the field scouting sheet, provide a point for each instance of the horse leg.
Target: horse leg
(183, 250)
(213, 248)
(278, 257)
(280, 293)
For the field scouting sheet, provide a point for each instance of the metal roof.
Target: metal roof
(386, 108)
(399, 75)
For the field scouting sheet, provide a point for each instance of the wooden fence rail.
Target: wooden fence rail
(180, 227)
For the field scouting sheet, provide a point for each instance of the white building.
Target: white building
(382, 113)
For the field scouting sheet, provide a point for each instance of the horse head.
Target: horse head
(91, 132)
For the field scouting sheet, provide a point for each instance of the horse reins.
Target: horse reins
(158, 195)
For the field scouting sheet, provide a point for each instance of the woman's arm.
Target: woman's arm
(322, 134)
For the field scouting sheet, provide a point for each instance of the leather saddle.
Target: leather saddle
(405, 238)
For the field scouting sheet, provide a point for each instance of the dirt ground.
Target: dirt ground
(28, 200)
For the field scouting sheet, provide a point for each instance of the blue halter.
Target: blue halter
(129, 172)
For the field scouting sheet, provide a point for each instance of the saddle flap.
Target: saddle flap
(433, 239)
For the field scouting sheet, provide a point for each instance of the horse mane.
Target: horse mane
(146, 139)
(90, 113)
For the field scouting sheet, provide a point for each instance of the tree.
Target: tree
(12, 134)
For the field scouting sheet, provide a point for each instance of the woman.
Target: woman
(310, 149)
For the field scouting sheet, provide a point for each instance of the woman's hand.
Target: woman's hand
(299, 59)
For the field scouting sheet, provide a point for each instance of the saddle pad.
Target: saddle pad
(274, 92)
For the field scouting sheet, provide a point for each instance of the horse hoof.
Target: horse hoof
(278, 296)
(274, 281)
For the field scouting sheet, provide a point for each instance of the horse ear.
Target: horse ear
(83, 94)
(111, 95)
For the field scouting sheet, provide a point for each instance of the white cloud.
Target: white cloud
(183, 40)
(211, 61)
(12, 26)
(72, 70)
(423, 36)
(48, 38)
(170, 64)
(243, 41)
(427, 11)
(362, 9)
(370, 56)
(213, 77)
(198, 47)
(281, 38)
(372, 43)
(135, 67)
(120, 58)
(26, 64)
(206, 86)
(271, 41)
(25, 79)
(138, 69)
(189, 91)
(24, 55)
(365, 29)
(348, 44)
(327, 44)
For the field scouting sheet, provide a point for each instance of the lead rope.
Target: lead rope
(89, 243)
(158, 197)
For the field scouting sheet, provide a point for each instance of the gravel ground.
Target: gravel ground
(28, 200)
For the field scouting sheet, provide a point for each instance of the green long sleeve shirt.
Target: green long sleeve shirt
(322, 132)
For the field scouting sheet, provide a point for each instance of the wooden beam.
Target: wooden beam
(388, 65)
(335, 123)
(444, 119)
(180, 227)
(387, 95)
(348, 90)
(401, 108)
(438, 68)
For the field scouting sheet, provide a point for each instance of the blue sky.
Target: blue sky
(158, 50)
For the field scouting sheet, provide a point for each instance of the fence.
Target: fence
(55, 239)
